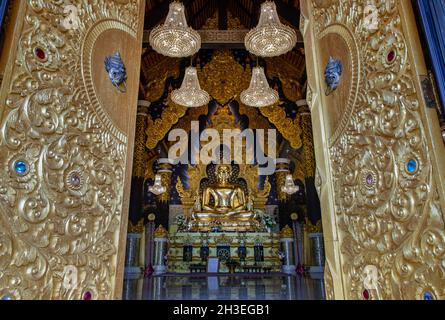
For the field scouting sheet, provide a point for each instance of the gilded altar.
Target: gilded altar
(223, 211)
(259, 249)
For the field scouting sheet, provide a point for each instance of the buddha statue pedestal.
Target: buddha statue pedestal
(261, 251)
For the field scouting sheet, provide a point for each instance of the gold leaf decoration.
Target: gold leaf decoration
(223, 78)
(64, 211)
(290, 129)
(157, 129)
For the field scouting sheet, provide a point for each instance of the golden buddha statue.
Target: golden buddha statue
(225, 204)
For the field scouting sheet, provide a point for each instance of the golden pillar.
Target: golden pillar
(140, 159)
(307, 142)
(140, 155)
(165, 171)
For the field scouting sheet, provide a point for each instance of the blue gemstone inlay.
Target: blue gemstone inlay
(411, 166)
(7, 298)
(21, 167)
(428, 296)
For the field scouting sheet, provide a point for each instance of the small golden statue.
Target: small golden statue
(224, 205)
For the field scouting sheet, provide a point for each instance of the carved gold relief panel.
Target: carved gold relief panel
(65, 140)
(383, 198)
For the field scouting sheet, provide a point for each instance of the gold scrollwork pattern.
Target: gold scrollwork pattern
(62, 163)
(157, 129)
(223, 78)
(308, 145)
(387, 207)
(140, 157)
(289, 128)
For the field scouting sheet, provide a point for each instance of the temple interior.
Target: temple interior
(222, 150)
(263, 240)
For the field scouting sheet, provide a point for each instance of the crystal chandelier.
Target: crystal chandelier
(157, 188)
(259, 94)
(190, 94)
(174, 38)
(289, 185)
(270, 37)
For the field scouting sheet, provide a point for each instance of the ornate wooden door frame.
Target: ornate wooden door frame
(380, 168)
(66, 144)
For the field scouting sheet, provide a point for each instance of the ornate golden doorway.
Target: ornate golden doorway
(380, 167)
(67, 132)
(68, 103)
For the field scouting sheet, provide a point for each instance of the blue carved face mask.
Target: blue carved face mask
(333, 74)
(116, 71)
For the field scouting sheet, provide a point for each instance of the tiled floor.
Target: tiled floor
(224, 287)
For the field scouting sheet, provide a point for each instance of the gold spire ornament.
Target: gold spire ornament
(259, 94)
(190, 94)
(175, 38)
(270, 38)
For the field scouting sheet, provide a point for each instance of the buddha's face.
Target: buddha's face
(223, 174)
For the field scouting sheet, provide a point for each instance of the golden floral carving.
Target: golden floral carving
(387, 216)
(136, 228)
(312, 228)
(256, 119)
(65, 209)
(140, 156)
(212, 23)
(290, 129)
(157, 129)
(308, 145)
(233, 22)
(223, 78)
(191, 115)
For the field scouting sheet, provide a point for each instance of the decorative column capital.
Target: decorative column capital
(312, 228)
(140, 152)
(136, 228)
(308, 143)
(161, 232)
(286, 233)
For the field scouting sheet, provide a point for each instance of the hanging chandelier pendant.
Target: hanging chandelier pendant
(190, 94)
(270, 38)
(174, 38)
(157, 188)
(259, 94)
(289, 186)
